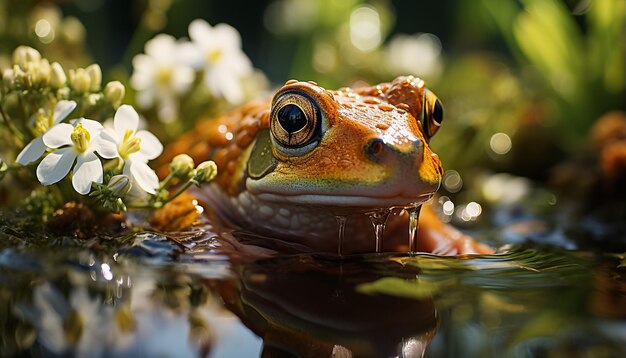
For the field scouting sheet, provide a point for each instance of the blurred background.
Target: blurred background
(522, 82)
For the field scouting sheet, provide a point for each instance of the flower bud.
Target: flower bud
(204, 172)
(57, 76)
(21, 78)
(8, 77)
(182, 166)
(93, 99)
(119, 185)
(3, 168)
(25, 54)
(63, 93)
(80, 80)
(39, 72)
(114, 92)
(95, 76)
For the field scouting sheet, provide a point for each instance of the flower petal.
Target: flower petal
(59, 135)
(125, 118)
(143, 175)
(55, 165)
(182, 79)
(189, 54)
(200, 31)
(32, 151)
(150, 146)
(145, 98)
(88, 169)
(62, 110)
(105, 145)
(227, 36)
(161, 46)
(93, 127)
(145, 68)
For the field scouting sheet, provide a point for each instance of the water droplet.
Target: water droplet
(379, 218)
(341, 221)
(414, 215)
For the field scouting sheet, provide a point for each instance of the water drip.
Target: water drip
(341, 221)
(379, 218)
(414, 214)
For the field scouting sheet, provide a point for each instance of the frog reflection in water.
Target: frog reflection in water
(289, 167)
(311, 306)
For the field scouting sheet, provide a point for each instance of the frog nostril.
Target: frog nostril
(375, 147)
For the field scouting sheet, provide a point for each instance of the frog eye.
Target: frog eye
(294, 120)
(432, 114)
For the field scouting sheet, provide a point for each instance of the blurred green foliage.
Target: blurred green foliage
(582, 71)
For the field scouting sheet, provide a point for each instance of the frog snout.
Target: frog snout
(381, 151)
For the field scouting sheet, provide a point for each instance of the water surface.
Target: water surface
(151, 294)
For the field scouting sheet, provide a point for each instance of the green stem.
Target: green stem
(139, 205)
(178, 192)
(16, 132)
(166, 181)
(160, 204)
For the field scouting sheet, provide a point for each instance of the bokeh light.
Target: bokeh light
(44, 31)
(500, 143)
(452, 181)
(365, 30)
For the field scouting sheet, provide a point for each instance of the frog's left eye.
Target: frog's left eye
(432, 114)
(294, 120)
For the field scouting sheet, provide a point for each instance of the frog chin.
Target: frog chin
(399, 194)
(347, 201)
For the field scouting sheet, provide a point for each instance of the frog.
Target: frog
(330, 170)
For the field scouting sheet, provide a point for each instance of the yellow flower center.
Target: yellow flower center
(73, 326)
(43, 122)
(215, 55)
(164, 76)
(80, 138)
(129, 145)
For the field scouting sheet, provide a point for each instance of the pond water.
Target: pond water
(142, 293)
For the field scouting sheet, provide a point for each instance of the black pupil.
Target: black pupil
(291, 118)
(438, 112)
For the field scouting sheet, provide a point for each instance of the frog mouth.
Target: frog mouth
(336, 200)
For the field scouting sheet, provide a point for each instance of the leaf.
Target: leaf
(393, 286)
(547, 35)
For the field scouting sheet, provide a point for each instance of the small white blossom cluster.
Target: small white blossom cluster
(63, 145)
(81, 323)
(168, 69)
(75, 145)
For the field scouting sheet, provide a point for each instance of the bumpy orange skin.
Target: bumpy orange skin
(387, 110)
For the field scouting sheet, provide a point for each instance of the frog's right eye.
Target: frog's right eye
(432, 114)
(294, 120)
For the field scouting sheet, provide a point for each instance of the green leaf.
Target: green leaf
(393, 286)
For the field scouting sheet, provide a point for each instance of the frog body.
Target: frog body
(292, 165)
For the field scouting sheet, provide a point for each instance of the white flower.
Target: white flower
(77, 143)
(69, 325)
(42, 124)
(218, 52)
(160, 77)
(135, 147)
